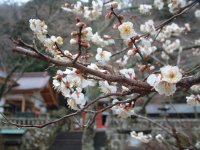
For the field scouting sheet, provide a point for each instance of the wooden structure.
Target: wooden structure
(33, 93)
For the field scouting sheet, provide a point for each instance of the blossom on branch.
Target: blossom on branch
(122, 110)
(102, 56)
(193, 99)
(128, 73)
(165, 83)
(106, 88)
(159, 4)
(126, 30)
(145, 9)
(141, 137)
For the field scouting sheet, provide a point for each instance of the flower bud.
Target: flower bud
(151, 67)
(114, 4)
(85, 44)
(116, 25)
(59, 40)
(73, 41)
(74, 33)
(81, 24)
(106, 37)
(143, 68)
(86, 56)
(77, 19)
(67, 5)
(121, 17)
(67, 53)
(132, 51)
(108, 15)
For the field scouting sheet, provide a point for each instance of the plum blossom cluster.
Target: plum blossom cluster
(142, 137)
(123, 110)
(176, 5)
(165, 83)
(95, 10)
(145, 9)
(173, 5)
(90, 13)
(71, 84)
(193, 99)
(88, 36)
(148, 27)
(195, 88)
(40, 30)
(103, 56)
(172, 30)
(159, 4)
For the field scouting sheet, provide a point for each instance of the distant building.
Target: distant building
(32, 93)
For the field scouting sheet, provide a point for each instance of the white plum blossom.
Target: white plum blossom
(98, 40)
(176, 5)
(40, 29)
(102, 56)
(145, 46)
(145, 9)
(122, 61)
(128, 73)
(165, 88)
(171, 74)
(197, 13)
(75, 8)
(193, 99)
(126, 30)
(170, 47)
(57, 80)
(122, 110)
(95, 11)
(87, 33)
(148, 27)
(141, 137)
(65, 87)
(195, 88)
(154, 79)
(172, 30)
(71, 83)
(159, 138)
(106, 88)
(159, 4)
(165, 83)
(77, 99)
(164, 56)
(38, 26)
(90, 13)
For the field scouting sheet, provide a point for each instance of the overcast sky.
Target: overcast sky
(13, 1)
(23, 1)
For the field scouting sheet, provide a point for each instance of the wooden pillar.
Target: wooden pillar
(23, 105)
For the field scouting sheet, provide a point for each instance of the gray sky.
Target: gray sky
(13, 1)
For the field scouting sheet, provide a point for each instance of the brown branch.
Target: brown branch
(187, 82)
(139, 86)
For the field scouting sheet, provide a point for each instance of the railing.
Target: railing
(178, 123)
(24, 121)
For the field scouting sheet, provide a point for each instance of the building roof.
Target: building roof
(30, 82)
